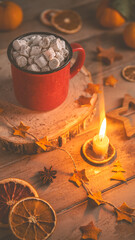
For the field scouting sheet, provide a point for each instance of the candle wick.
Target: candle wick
(101, 138)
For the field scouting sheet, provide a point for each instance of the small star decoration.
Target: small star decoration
(110, 81)
(121, 216)
(95, 198)
(20, 130)
(83, 101)
(90, 231)
(93, 88)
(108, 56)
(43, 143)
(78, 177)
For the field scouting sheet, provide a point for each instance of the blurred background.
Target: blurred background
(31, 19)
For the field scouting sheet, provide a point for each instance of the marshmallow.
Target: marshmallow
(18, 43)
(45, 69)
(56, 44)
(51, 37)
(21, 61)
(35, 50)
(49, 54)
(39, 52)
(63, 44)
(31, 60)
(15, 54)
(54, 63)
(25, 50)
(45, 42)
(37, 40)
(33, 67)
(65, 53)
(59, 57)
(40, 61)
(30, 39)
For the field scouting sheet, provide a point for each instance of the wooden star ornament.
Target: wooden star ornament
(90, 231)
(122, 114)
(108, 56)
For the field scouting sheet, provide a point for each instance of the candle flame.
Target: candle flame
(102, 129)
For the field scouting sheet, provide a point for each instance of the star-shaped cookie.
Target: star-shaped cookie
(90, 231)
(122, 114)
(108, 56)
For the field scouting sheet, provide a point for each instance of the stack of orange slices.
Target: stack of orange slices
(66, 21)
(28, 216)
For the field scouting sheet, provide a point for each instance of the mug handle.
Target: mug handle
(76, 47)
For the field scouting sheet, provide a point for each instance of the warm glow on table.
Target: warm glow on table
(101, 141)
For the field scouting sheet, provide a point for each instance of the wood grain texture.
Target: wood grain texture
(69, 221)
(65, 121)
(62, 194)
(103, 217)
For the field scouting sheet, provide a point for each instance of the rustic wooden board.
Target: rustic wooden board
(62, 194)
(65, 121)
(70, 220)
(103, 217)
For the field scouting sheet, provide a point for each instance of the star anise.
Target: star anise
(47, 175)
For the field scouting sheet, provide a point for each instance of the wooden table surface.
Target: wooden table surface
(70, 202)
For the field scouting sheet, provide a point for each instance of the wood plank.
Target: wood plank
(6, 159)
(106, 39)
(113, 96)
(69, 221)
(62, 193)
(32, 23)
(103, 217)
(99, 176)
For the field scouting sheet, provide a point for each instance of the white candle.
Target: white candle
(101, 141)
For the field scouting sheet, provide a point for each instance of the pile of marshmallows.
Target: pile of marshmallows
(39, 53)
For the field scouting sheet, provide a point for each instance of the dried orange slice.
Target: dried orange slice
(129, 73)
(46, 16)
(67, 21)
(32, 218)
(11, 191)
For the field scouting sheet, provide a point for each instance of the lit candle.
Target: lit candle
(101, 141)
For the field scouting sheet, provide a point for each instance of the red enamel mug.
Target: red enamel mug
(44, 91)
